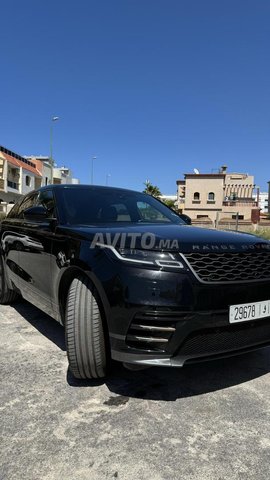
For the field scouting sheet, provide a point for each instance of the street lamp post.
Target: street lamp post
(54, 119)
(92, 169)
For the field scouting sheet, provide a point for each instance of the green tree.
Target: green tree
(151, 189)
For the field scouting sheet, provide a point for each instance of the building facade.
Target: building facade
(22, 174)
(45, 166)
(64, 175)
(51, 174)
(263, 202)
(18, 176)
(221, 195)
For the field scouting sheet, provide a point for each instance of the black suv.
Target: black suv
(129, 280)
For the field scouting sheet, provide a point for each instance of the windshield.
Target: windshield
(96, 205)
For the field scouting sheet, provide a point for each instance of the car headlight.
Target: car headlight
(146, 257)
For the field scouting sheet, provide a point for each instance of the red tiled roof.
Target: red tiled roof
(19, 163)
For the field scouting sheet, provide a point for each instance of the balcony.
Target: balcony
(241, 202)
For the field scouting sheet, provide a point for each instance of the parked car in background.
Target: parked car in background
(130, 281)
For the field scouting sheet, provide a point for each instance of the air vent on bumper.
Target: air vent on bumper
(151, 331)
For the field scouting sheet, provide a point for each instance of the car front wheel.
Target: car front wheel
(85, 340)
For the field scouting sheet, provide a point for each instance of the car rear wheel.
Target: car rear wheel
(6, 295)
(85, 340)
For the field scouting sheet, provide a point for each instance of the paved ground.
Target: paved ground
(209, 421)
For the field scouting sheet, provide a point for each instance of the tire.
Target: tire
(6, 295)
(85, 340)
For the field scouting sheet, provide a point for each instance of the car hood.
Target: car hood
(182, 238)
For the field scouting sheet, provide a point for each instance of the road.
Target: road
(207, 421)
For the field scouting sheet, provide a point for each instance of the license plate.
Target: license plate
(249, 311)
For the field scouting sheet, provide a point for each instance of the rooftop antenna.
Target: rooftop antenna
(196, 171)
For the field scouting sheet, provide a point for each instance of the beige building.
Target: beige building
(220, 195)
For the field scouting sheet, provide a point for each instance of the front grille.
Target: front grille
(228, 267)
(210, 341)
(152, 330)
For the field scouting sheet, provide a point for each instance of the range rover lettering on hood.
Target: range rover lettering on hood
(230, 247)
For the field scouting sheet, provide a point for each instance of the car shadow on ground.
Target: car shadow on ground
(42, 322)
(158, 383)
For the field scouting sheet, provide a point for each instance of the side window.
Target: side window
(46, 199)
(29, 201)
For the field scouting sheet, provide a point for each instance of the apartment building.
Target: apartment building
(21, 174)
(64, 175)
(45, 166)
(18, 176)
(51, 174)
(211, 195)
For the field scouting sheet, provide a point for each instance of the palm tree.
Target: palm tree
(151, 189)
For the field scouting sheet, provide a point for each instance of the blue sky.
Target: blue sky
(153, 88)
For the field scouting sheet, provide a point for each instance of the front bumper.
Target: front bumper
(197, 337)
(190, 320)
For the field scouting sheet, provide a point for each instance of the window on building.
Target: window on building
(46, 180)
(211, 196)
(28, 181)
(196, 196)
(240, 217)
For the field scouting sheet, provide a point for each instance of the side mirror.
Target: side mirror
(36, 213)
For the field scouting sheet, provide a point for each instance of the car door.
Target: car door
(35, 246)
(10, 234)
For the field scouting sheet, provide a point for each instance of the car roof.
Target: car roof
(83, 186)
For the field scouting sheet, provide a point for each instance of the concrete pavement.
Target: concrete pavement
(207, 421)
